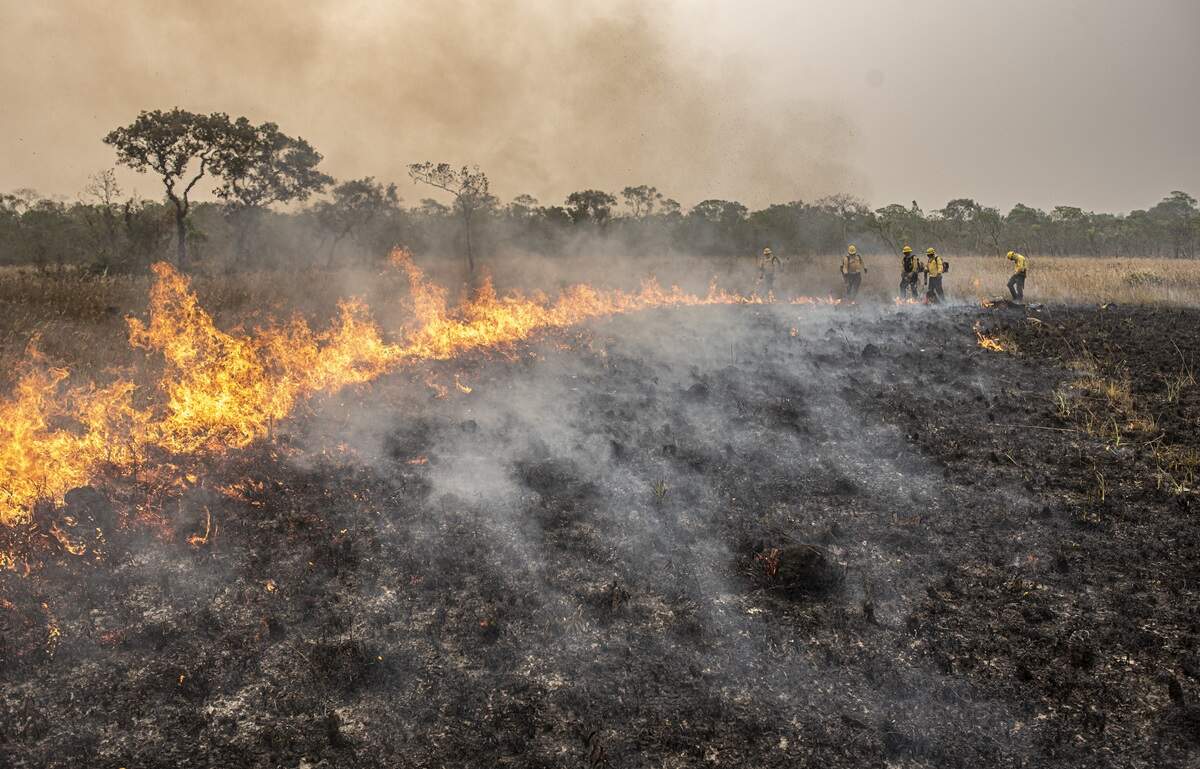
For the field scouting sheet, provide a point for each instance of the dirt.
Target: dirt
(724, 537)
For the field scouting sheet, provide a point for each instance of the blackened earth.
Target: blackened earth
(734, 537)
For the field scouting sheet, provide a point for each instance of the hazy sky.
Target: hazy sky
(1087, 102)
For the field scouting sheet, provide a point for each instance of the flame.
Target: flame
(53, 631)
(196, 540)
(462, 388)
(988, 342)
(73, 548)
(224, 389)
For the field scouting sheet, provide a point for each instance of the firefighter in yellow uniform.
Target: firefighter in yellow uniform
(852, 271)
(934, 268)
(1016, 284)
(910, 272)
(767, 264)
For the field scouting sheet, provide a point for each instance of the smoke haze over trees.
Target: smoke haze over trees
(250, 168)
(361, 219)
(1082, 103)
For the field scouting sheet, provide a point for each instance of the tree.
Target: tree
(894, 225)
(103, 215)
(180, 147)
(959, 214)
(719, 211)
(468, 185)
(1070, 225)
(590, 206)
(355, 204)
(847, 208)
(1176, 214)
(641, 200)
(523, 207)
(717, 226)
(260, 165)
(990, 222)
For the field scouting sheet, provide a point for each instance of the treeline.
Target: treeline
(273, 208)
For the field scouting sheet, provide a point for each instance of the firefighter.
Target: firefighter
(934, 267)
(767, 264)
(852, 271)
(910, 272)
(1016, 284)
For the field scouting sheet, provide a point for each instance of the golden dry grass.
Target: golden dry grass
(1083, 280)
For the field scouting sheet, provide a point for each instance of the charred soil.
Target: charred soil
(744, 536)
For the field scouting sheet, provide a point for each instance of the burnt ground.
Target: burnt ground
(721, 537)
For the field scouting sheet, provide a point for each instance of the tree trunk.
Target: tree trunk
(180, 239)
(470, 253)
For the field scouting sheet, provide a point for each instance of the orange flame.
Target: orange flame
(988, 342)
(226, 389)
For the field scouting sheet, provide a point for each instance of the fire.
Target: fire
(225, 389)
(988, 342)
(63, 539)
(54, 437)
(196, 540)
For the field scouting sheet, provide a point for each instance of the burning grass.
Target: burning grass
(202, 388)
(220, 389)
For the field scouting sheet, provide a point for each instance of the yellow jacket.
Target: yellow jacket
(917, 267)
(852, 264)
(934, 267)
(1019, 263)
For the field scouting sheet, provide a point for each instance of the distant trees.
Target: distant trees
(253, 167)
(180, 147)
(642, 200)
(590, 207)
(122, 234)
(467, 185)
(257, 165)
(355, 204)
(1176, 216)
(260, 166)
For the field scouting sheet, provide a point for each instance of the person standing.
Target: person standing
(910, 271)
(767, 264)
(1016, 284)
(935, 266)
(852, 271)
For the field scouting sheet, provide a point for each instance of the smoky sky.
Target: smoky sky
(1084, 102)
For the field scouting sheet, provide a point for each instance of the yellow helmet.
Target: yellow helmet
(930, 251)
(766, 252)
(907, 249)
(852, 250)
(1011, 254)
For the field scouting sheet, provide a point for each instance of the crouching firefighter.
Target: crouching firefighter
(1016, 284)
(910, 272)
(852, 271)
(935, 267)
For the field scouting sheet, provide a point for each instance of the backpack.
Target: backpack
(908, 263)
(945, 266)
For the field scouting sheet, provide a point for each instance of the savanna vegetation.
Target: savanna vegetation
(266, 205)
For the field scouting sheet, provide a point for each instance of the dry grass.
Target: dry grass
(79, 319)
(1073, 280)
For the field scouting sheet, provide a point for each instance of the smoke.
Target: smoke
(643, 464)
(546, 97)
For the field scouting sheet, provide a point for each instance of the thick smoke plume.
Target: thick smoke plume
(546, 97)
